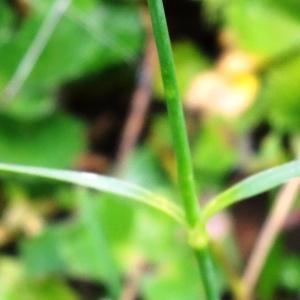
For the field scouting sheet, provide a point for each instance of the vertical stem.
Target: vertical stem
(180, 140)
(175, 111)
(207, 271)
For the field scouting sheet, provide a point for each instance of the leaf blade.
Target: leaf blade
(104, 184)
(252, 186)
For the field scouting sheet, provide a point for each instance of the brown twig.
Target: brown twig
(270, 231)
(293, 220)
(131, 132)
(131, 288)
(140, 100)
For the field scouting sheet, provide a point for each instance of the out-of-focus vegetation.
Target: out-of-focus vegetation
(68, 70)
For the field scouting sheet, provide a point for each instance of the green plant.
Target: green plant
(180, 140)
(192, 217)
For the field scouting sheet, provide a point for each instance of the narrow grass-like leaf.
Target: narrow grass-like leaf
(36, 48)
(104, 184)
(252, 186)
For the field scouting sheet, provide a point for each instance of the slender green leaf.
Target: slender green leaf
(252, 186)
(104, 184)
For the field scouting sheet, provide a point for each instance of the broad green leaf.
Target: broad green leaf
(42, 255)
(211, 140)
(255, 23)
(93, 37)
(176, 278)
(271, 153)
(95, 231)
(214, 8)
(63, 249)
(290, 272)
(41, 108)
(104, 184)
(55, 141)
(143, 169)
(15, 284)
(77, 249)
(282, 95)
(74, 251)
(270, 277)
(108, 210)
(252, 186)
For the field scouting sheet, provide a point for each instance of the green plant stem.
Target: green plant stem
(180, 140)
(207, 271)
(175, 112)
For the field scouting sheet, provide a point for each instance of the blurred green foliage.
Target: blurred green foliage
(103, 240)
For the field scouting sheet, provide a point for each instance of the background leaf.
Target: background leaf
(55, 141)
(13, 283)
(255, 23)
